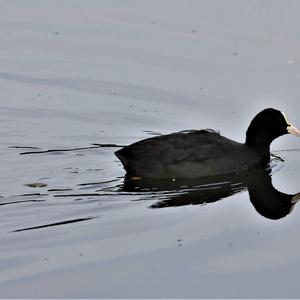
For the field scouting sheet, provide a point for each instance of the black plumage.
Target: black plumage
(201, 153)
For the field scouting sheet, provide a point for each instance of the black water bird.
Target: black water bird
(201, 153)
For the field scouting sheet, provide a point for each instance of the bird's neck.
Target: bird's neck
(260, 143)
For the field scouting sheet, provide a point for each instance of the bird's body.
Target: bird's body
(202, 153)
(186, 154)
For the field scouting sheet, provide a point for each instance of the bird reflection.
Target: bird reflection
(267, 201)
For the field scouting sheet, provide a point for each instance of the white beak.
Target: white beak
(293, 130)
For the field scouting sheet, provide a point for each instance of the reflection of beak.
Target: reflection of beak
(296, 198)
(294, 201)
(293, 130)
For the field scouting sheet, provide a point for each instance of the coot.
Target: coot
(201, 153)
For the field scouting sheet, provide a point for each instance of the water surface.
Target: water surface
(100, 72)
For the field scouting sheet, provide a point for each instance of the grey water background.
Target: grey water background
(75, 73)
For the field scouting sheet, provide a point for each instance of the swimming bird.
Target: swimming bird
(203, 153)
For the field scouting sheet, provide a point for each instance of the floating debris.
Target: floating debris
(35, 184)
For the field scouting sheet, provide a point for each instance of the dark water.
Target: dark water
(113, 73)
